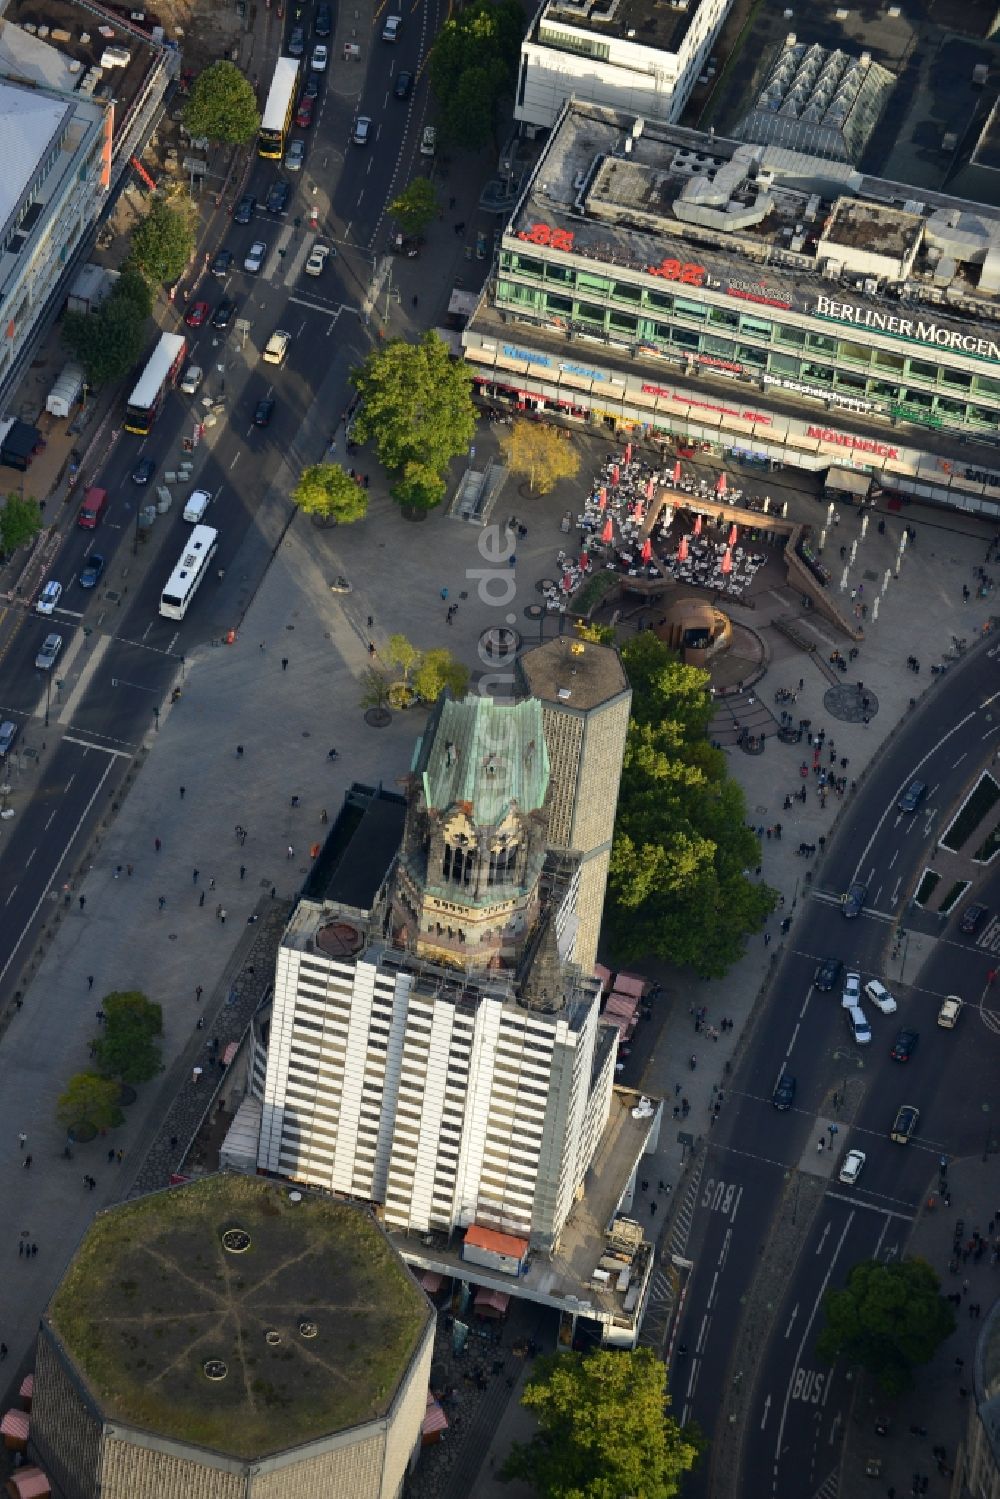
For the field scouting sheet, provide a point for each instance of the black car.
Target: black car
(324, 21)
(220, 265)
(853, 903)
(223, 314)
(912, 796)
(277, 197)
(827, 973)
(296, 41)
(312, 84)
(972, 919)
(403, 86)
(144, 471)
(784, 1092)
(264, 411)
(245, 209)
(904, 1045)
(90, 572)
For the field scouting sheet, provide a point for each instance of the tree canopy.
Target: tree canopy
(540, 453)
(328, 491)
(888, 1318)
(109, 340)
(222, 106)
(163, 243)
(603, 1431)
(89, 1103)
(473, 63)
(417, 409)
(129, 1048)
(437, 670)
(20, 520)
(678, 885)
(416, 206)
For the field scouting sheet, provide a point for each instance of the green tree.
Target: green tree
(108, 342)
(888, 1318)
(163, 243)
(678, 882)
(89, 1103)
(474, 62)
(132, 290)
(417, 409)
(416, 206)
(596, 634)
(436, 670)
(542, 454)
(403, 654)
(603, 1431)
(328, 491)
(20, 520)
(375, 689)
(129, 1049)
(222, 106)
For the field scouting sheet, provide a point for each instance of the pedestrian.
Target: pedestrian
(820, 1147)
(121, 1156)
(128, 870)
(222, 916)
(284, 663)
(371, 649)
(22, 1139)
(199, 991)
(201, 898)
(163, 901)
(182, 791)
(111, 1156)
(371, 621)
(239, 752)
(295, 801)
(211, 883)
(291, 852)
(767, 938)
(194, 876)
(20, 1249)
(324, 816)
(26, 1163)
(83, 901)
(90, 985)
(34, 1250)
(274, 892)
(118, 871)
(262, 647)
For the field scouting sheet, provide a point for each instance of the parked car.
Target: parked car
(852, 990)
(362, 130)
(318, 256)
(296, 41)
(912, 796)
(853, 902)
(880, 997)
(295, 155)
(196, 314)
(827, 973)
(311, 87)
(905, 1124)
(857, 1024)
(277, 197)
(193, 377)
(245, 209)
(265, 410)
(92, 571)
(222, 262)
(403, 87)
(48, 651)
(904, 1045)
(428, 141)
(852, 1167)
(324, 21)
(972, 919)
(784, 1092)
(304, 113)
(320, 58)
(8, 733)
(390, 29)
(254, 258)
(144, 471)
(49, 597)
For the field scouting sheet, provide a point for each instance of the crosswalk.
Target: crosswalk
(665, 1283)
(989, 940)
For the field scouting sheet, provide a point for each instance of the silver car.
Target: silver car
(295, 155)
(51, 646)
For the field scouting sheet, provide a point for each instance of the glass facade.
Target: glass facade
(757, 342)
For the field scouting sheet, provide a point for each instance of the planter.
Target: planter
(83, 1134)
(127, 1095)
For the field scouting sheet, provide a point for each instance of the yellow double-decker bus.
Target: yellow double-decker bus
(278, 109)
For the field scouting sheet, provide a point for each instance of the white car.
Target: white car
(880, 997)
(50, 648)
(295, 155)
(852, 990)
(854, 1164)
(49, 597)
(362, 130)
(320, 57)
(857, 1024)
(428, 141)
(254, 258)
(318, 256)
(193, 377)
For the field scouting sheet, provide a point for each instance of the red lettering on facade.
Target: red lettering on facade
(849, 440)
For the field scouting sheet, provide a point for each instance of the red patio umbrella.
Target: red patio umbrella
(614, 474)
(647, 550)
(567, 582)
(682, 550)
(649, 487)
(585, 560)
(628, 452)
(733, 533)
(720, 484)
(602, 498)
(727, 561)
(677, 472)
(638, 514)
(697, 525)
(608, 531)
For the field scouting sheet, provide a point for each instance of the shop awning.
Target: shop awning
(431, 1281)
(16, 1424)
(229, 1053)
(622, 1004)
(496, 1242)
(491, 1303)
(604, 974)
(630, 983)
(435, 1419)
(849, 480)
(29, 1483)
(27, 1387)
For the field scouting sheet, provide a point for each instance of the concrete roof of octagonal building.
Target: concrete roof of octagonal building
(485, 755)
(227, 1314)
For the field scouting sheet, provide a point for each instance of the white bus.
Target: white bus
(277, 117)
(160, 373)
(196, 558)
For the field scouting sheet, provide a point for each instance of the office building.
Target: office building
(231, 1337)
(636, 55)
(779, 307)
(585, 700)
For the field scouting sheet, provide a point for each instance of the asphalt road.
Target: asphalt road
(798, 1405)
(83, 722)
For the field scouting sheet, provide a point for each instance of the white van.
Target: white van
(198, 502)
(277, 347)
(390, 31)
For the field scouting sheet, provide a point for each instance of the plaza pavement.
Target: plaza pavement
(287, 720)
